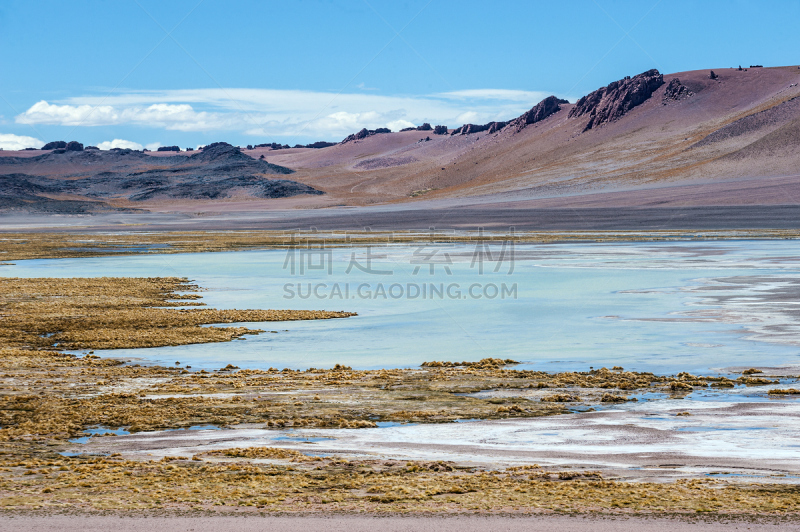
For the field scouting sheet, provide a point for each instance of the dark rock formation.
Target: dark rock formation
(712, 75)
(538, 112)
(217, 147)
(91, 148)
(424, 127)
(440, 130)
(364, 133)
(274, 146)
(320, 144)
(468, 129)
(253, 186)
(219, 170)
(169, 148)
(612, 102)
(55, 145)
(676, 91)
(74, 145)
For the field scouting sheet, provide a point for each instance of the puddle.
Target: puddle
(301, 439)
(98, 431)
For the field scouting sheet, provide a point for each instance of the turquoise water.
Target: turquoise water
(565, 307)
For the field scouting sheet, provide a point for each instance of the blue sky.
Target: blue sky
(146, 73)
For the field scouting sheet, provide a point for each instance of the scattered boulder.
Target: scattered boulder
(442, 130)
(73, 145)
(712, 75)
(610, 103)
(676, 91)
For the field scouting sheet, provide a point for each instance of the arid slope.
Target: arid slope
(741, 125)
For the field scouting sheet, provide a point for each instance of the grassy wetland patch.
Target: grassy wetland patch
(41, 245)
(48, 397)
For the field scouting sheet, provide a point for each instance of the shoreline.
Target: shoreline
(334, 522)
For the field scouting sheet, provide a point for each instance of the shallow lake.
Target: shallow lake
(661, 307)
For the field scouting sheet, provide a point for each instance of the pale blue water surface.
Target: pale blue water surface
(643, 306)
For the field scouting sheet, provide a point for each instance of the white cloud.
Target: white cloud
(119, 143)
(17, 142)
(178, 117)
(497, 94)
(280, 113)
(153, 146)
(470, 117)
(397, 125)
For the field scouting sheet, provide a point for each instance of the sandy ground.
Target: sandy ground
(334, 523)
(422, 218)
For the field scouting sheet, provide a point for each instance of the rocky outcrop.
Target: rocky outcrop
(538, 112)
(424, 127)
(468, 129)
(73, 146)
(253, 186)
(55, 145)
(219, 170)
(318, 145)
(169, 148)
(274, 146)
(364, 133)
(610, 103)
(440, 130)
(713, 75)
(676, 91)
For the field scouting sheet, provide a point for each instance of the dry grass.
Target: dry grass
(282, 481)
(114, 313)
(47, 397)
(20, 246)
